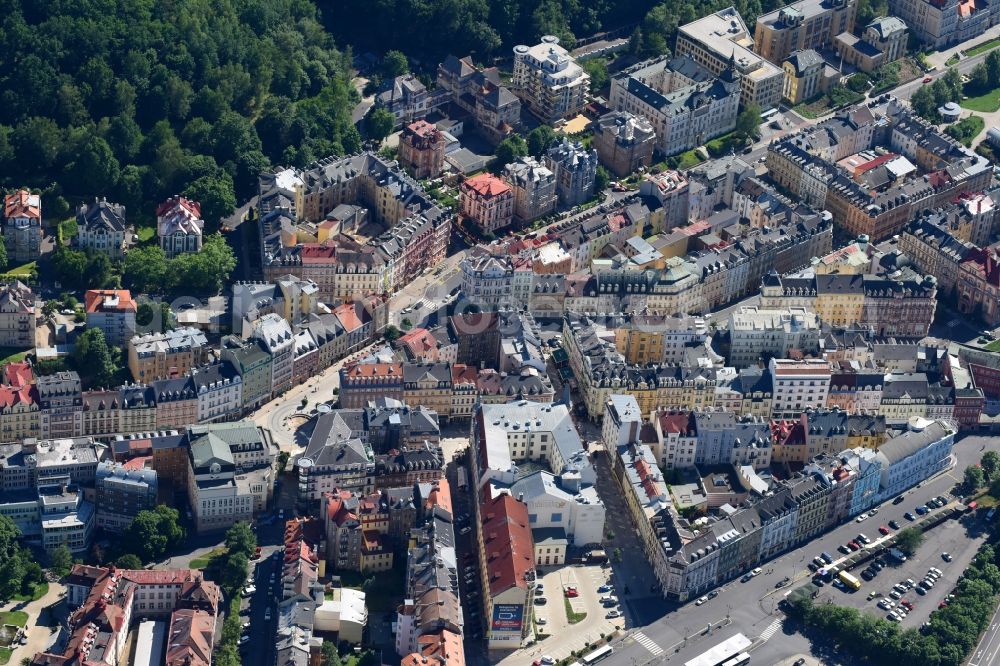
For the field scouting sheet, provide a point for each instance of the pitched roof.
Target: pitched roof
(507, 543)
(486, 185)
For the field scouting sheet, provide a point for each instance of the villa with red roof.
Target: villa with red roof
(488, 202)
(22, 231)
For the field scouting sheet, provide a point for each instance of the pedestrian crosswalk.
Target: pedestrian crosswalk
(771, 630)
(647, 642)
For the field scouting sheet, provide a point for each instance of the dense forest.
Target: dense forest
(139, 99)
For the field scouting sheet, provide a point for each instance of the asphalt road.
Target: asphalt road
(752, 607)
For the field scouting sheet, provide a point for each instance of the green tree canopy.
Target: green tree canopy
(379, 123)
(748, 122)
(234, 572)
(394, 63)
(597, 68)
(990, 463)
(539, 140)
(510, 149)
(94, 359)
(153, 533)
(601, 180)
(241, 539)
(974, 478)
(128, 561)
(909, 539)
(62, 560)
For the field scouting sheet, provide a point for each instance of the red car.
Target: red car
(906, 604)
(943, 604)
(883, 529)
(256, 553)
(853, 545)
(571, 592)
(927, 79)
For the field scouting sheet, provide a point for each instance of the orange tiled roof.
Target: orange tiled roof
(102, 300)
(487, 185)
(22, 204)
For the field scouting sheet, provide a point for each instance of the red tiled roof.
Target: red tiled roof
(22, 204)
(103, 300)
(189, 207)
(464, 374)
(137, 463)
(507, 542)
(486, 185)
(674, 422)
(317, 253)
(18, 374)
(440, 496)
(348, 317)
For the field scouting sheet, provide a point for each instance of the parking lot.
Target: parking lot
(959, 538)
(560, 637)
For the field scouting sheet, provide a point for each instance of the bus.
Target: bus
(597, 655)
(849, 580)
(767, 115)
(742, 659)
(724, 653)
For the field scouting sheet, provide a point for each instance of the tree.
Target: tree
(597, 68)
(601, 180)
(379, 124)
(94, 359)
(241, 539)
(3, 257)
(394, 63)
(748, 122)
(62, 560)
(234, 572)
(128, 561)
(510, 149)
(974, 478)
(539, 140)
(216, 195)
(990, 463)
(146, 270)
(922, 101)
(228, 656)
(153, 533)
(979, 78)
(635, 42)
(392, 333)
(909, 539)
(993, 68)
(205, 271)
(330, 656)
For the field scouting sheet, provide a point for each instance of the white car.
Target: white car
(756, 572)
(701, 601)
(613, 614)
(862, 518)
(541, 620)
(244, 639)
(267, 614)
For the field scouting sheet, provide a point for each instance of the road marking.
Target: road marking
(771, 630)
(647, 642)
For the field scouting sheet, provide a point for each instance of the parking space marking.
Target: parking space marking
(647, 642)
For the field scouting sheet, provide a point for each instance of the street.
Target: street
(752, 606)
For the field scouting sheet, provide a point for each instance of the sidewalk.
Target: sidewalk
(939, 58)
(40, 637)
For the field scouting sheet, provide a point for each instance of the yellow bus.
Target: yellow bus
(849, 580)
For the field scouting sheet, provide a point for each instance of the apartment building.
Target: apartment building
(799, 385)
(495, 110)
(253, 362)
(165, 355)
(176, 402)
(804, 76)
(179, 226)
(60, 399)
(624, 142)
(488, 202)
(17, 315)
(406, 98)
(421, 150)
(220, 391)
(507, 568)
(549, 81)
(218, 497)
(534, 189)
(113, 311)
(275, 335)
(574, 168)
(941, 24)
(22, 229)
(716, 40)
(883, 41)
(101, 228)
(684, 102)
(336, 457)
(122, 492)
(808, 24)
(757, 334)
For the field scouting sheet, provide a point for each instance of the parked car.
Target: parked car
(827, 557)
(844, 549)
(541, 601)
(613, 613)
(605, 588)
(854, 545)
(756, 571)
(701, 601)
(946, 557)
(909, 516)
(883, 530)
(863, 539)
(539, 619)
(893, 524)
(922, 509)
(899, 499)
(862, 518)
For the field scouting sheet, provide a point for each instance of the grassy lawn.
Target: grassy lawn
(951, 61)
(982, 48)
(993, 346)
(38, 592)
(571, 616)
(723, 145)
(12, 355)
(145, 234)
(24, 270)
(68, 229)
(205, 560)
(19, 618)
(987, 103)
(966, 129)
(688, 160)
(5, 654)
